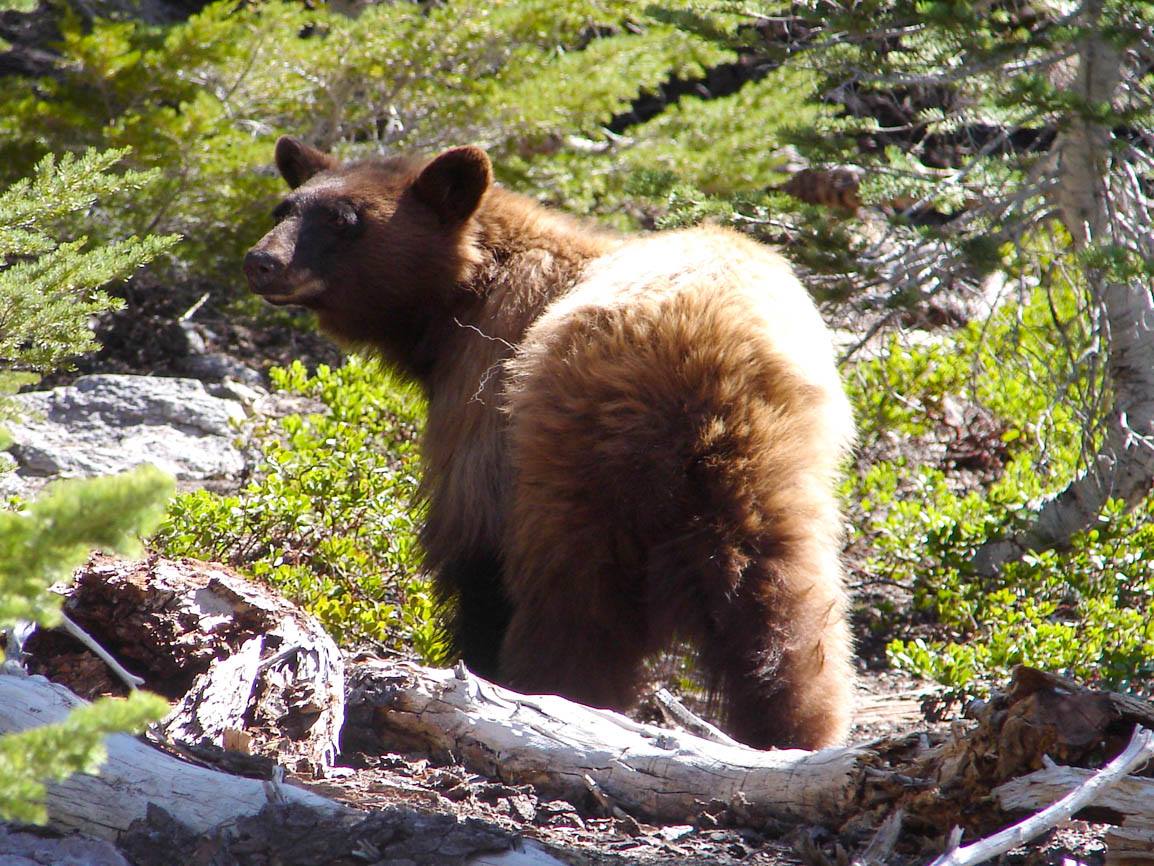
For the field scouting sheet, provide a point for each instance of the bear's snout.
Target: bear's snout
(265, 272)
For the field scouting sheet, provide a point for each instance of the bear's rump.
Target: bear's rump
(666, 416)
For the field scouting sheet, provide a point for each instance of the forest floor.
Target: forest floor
(151, 337)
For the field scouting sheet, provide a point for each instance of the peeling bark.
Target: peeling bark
(1089, 196)
(234, 654)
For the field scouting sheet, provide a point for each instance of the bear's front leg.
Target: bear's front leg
(480, 611)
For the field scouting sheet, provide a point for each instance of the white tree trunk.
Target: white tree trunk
(1090, 196)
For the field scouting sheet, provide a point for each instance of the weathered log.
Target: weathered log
(1132, 796)
(1130, 804)
(556, 745)
(135, 775)
(164, 810)
(234, 654)
(1092, 790)
(569, 750)
(943, 780)
(1131, 843)
(216, 626)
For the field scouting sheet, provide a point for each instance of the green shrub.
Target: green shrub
(203, 100)
(49, 288)
(1083, 610)
(330, 515)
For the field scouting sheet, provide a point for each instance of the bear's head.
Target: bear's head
(378, 249)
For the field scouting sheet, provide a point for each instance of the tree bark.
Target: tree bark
(234, 654)
(1085, 162)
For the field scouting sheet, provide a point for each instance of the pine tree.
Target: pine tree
(48, 291)
(39, 546)
(205, 99)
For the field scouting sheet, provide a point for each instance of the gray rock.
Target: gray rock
(105, 424)
(218, 366)
(36, 849)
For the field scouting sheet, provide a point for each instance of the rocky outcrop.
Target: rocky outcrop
(104, 424)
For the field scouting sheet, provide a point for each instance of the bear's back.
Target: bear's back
(698, 290)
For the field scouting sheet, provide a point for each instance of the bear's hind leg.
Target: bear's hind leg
(778, 649)
(578, 627)
(575, 633)
(570, 659)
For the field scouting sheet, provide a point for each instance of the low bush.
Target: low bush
(330, 514)
(923, 511)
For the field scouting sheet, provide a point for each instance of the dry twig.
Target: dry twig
(1137, 753)
(677, 713)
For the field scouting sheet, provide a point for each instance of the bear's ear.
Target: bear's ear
(298, 162)
(454, 182)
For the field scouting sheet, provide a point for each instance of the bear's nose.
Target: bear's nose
(262, 269)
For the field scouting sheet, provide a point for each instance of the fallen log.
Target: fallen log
(560, 746)
(135, 775)
(234, 655)
(1092, 790)
(964, 778)
(1131, 843)
(162, 810)
(598, 760)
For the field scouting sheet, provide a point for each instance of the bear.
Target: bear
(632, 442)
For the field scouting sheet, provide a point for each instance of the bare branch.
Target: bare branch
(1137, 753)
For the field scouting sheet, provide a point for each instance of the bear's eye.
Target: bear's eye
(343, 217)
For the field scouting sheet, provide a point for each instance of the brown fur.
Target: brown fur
(629, 442)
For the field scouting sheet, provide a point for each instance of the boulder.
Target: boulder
(105, 424)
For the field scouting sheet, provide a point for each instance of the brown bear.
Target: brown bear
(631, 442)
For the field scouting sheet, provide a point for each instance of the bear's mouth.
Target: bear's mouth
(305, 295)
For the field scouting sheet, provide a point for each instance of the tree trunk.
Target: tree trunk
(1087, 198)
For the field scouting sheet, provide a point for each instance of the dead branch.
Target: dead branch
(130, 679)
(1136, 754)
(677, 713)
